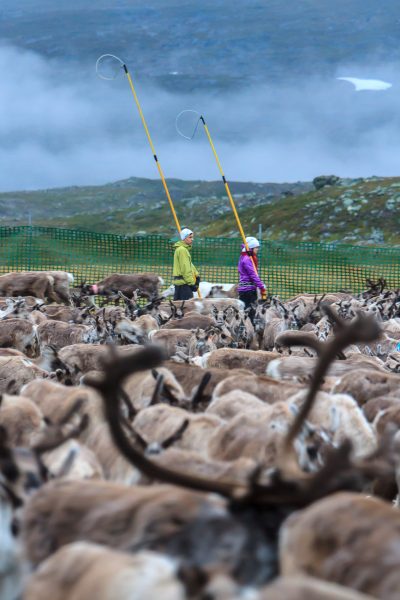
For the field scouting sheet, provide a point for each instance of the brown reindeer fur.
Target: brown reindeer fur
(144, 324)
(297, 368)
(148, 283)
(389, 415)
(22, 420)
(157, 423)
(235, 402)
(340, 415)
(191, 320)
(217, 291)
(273, 329)
(286, 340)
(374, 406)
(189, 376)
(114, 465)
(140, 387)
(55, 399)
(59, 334)
(82, 358)
(170, 339)
(204, 306)
(57, 312)
(255, 361)
(393, 362)
(61, 289)
(106, 513)
(195, 437)
(18, 334)
(265, 388)
(83, 571)
(301, 587)
(252, 436)
(190, 462)
(30, 283)
(16, 371)
(84, 463)
(347, 539)
(365, 384)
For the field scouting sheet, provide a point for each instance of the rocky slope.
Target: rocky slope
(362, 211)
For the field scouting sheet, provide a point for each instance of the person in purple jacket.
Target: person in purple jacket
(249, 279)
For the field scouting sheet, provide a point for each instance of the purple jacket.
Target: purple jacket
(248, 278)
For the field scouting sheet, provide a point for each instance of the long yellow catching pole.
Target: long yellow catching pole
(128, 75)
(160, 171)
(228, 191)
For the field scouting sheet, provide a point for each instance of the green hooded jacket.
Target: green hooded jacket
(184, 270)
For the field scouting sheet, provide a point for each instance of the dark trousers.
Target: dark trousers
(183, 292)
(249, 299)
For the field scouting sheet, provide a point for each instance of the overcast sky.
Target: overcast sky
(62, 127)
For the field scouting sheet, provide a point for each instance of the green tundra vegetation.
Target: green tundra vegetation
(357, 211)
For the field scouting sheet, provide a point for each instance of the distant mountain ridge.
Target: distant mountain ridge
(186, 45)
(361, 211)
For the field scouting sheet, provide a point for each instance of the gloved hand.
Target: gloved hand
(195, 287)
(263, 294)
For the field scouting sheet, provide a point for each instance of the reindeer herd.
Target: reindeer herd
(181, 450)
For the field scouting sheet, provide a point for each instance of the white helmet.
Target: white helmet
(252, 242)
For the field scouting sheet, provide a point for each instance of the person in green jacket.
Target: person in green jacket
(185, 275)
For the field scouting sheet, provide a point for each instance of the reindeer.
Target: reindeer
(86, 571)
(233, 358)
(61, 285)
(59, 334)
(336, 536)
(148, 285)
(19, 334)
(30, 283)
(15, 371)
(191, 320)
(222, 291)
(22, 420)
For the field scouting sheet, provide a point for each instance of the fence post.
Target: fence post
(29, 246)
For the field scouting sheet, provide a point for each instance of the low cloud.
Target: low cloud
(62, 126)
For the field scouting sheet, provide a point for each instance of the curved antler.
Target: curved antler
(361, 329)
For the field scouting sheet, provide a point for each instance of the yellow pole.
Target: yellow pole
(154, 154)
(152, 149)
(228, 191)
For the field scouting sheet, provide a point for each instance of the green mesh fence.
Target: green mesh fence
(288, 268)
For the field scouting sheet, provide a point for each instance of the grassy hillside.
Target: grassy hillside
(365, 211)
(357, 211)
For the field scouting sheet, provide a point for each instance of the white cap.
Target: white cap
(252, 242)
(185, 232)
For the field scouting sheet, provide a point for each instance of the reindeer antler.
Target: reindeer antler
(338, 472)
(362, 329)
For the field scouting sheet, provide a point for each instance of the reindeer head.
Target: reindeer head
(218, 315)
(21, 471)
(204, 342)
